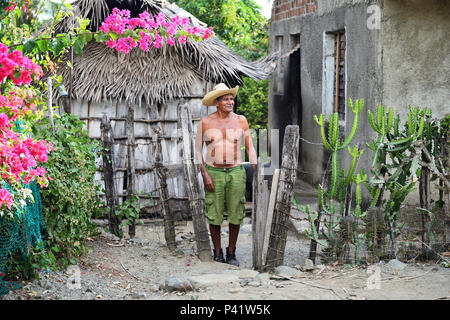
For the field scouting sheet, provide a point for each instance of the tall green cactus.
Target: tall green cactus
(340, 179)
(333, 143)
(390, 168)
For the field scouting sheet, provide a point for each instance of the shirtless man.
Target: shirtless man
(224, 174)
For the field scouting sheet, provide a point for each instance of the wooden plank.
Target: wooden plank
(131, 164)
(263, 219)
(108, 172)
(259, 214)
(255, 198)
(283, 202)
(191, 174)
(169, 227)
(269, 218)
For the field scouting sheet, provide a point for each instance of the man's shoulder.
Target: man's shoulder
(241, 118)
(208, 117)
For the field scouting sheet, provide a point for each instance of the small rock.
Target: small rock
(263, 279)
(254, 283)
(396, 265)
(209, 280)
(138, 295)
(111, 236)
(307, 265)
(243, 282)
(178, 284)
(136, 240)
(286, 271)
(46, 284)
(154, 288)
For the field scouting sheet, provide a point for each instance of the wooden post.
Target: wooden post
(255, 199)
(283, 202)
(50, 102)
(108, 173)
(260, 213)
(269, 217)
(191, 176)
(131, 177)
(161, 174)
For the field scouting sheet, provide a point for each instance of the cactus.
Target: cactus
(340, 179)
(400, 176)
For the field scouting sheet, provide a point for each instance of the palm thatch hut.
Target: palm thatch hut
(104, 81)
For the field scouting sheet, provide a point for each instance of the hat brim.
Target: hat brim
(210, 98)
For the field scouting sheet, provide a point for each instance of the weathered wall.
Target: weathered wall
(146, 181)
(416, 55)
(361, 71)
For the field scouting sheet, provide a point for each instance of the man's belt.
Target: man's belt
(241, 166)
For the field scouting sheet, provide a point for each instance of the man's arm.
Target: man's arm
(207, 180)
(249, 149)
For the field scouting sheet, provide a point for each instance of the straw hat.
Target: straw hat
(219, 90)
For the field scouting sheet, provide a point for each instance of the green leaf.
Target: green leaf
(43, 45)
(78, 46)
(58, 46)
(29, 46)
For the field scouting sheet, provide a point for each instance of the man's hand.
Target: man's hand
(209, 184)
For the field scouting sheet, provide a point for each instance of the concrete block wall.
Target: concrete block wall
(285, 9)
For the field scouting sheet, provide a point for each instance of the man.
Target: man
(223, 173)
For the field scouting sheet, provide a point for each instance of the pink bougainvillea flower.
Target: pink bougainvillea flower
(182, 39)
(11, 7)
(6, 198)
(170, 41)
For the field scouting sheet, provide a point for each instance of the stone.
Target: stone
(45, 283)
(396, 265)
(178, 284)
(254, 283)
(136, 240)
(210, 280)
(138, 295)
(263, 279)
(286, 271)
(111, 236)
(307, 265)
(154, 288)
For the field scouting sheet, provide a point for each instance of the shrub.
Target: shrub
(72, 198)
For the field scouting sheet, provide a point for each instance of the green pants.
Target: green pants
(229, 193)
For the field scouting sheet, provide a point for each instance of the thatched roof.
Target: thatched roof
(159, 75)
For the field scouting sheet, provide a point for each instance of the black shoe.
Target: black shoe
(219, 258)
(231, 258)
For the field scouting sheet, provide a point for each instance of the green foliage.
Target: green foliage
(26, 267)
(71, 198)
(128, 212)
(349, 218)
(253, 102)
(243, 27)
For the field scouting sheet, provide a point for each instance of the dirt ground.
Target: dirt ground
(138, 269)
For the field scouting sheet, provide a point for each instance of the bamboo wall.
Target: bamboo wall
(146, 119)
